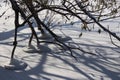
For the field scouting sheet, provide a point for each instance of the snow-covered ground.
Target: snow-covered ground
(52, 64)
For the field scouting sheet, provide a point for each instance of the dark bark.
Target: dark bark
(17, 10)
(16, 26)
(39, 22)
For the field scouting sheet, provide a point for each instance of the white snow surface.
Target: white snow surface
(49, 63)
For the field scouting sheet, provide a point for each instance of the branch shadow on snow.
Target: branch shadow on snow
(7, 37)
(97, 66)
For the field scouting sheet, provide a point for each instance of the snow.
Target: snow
(49, 63)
